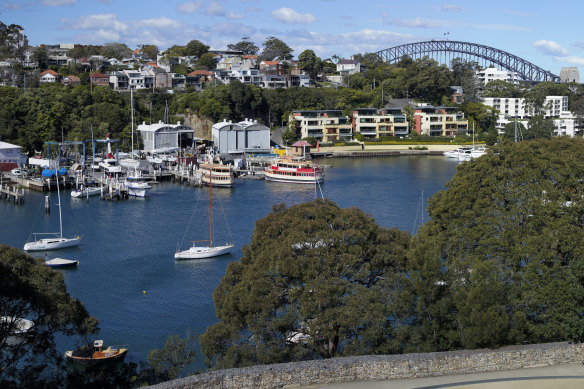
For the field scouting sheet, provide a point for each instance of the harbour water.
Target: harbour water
(128, 277)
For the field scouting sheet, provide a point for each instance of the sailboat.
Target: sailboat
(196, 252)
(131, 162)
(468, 154)
(57, 241)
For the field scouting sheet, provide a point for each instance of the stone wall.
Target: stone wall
(383, 367)
(202, 126)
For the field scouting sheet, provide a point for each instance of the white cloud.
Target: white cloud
(288, 15)
(57, 3)
(215, 9)
(233, 15)
(448, 8)
(572, 60)
(550, 48)
(12, 5)
(96, 22)
(159, 23)
(188, 7)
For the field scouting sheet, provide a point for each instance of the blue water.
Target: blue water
(128, 277)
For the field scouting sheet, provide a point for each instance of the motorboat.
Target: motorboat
(110, 166)
(456, 152)
(85, 191)
(17, 328)
(61, 263)
(96, 353)
(294, 170)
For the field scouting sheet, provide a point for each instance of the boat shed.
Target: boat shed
(162, 135)
(11, 156)
(245, 137)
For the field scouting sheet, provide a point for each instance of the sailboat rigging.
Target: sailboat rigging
(209, 251)
(57, 241)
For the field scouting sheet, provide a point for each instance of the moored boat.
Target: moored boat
(96, 353)
(60, 262)
(217, 174)
(296, 171)
(85, 191)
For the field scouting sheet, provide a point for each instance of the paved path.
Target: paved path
(569, 376)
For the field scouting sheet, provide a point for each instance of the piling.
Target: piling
(47, 205)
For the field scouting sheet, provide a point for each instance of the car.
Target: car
(17, 172)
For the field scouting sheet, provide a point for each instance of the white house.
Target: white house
(349, 66)
(49, 76)
(11, 156)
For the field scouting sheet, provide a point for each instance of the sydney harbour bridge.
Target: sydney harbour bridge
(444, 51)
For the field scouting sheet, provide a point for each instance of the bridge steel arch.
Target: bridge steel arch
(526, 70)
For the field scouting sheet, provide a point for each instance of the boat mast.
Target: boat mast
(132, 115)
(59, 202)
(210, 208)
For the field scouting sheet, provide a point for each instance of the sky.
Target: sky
(545, 33)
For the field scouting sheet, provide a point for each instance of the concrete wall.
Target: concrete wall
(383, 367)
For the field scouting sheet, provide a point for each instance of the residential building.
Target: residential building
(246, 76)
(272, 81)
(375, 123)
(491, 74)
(245, 137)
(194, 81)
(119, 80)
(439, 121)
(99, 79)
(555, 107)
(161, 135)
(49, 76)
(204, 75)
(349, 66)
(272, 67)
(301, 80)
(324, 125)
(71, 80)
(11, 156)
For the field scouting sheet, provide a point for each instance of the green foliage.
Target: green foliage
(309, 62)
(10, 38)
(245, 45)
(118, 50)
(539, 127)
(500, 261)
(196, 47)
(169, 361)
(31, 290)
(207, 61)
(509, 133)
(313, 268)
(310, 139)
(289, 137)
(275, 48)
(501, 89)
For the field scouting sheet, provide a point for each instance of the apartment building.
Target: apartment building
(375, 123)
(491, 74)
(555, 107)
(439, 121)
(324, 125)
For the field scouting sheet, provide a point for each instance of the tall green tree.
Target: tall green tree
(501, 259)
(316, 281)
(275, 48)
(309, 62)
(196, 47)
(31, 290)
(11, 42)
(539, 127)
(245, 45)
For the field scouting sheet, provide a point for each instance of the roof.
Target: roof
(51, 72)
(73, 78)
(347, 62)
(5, 145)
(250, 56)
(98, 75)
(201, 73)
(301, 143)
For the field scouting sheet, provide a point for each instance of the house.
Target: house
(245, 137)
(349, 66)
(272, 81)
(301, 80)
(204, 75)
(272, 67)
(300, 148)
(119, 80)
(161, 135)
(439, 121)
(375, 123)
(71, 80)
(11, 156)
(324, 125)
(99, 79)
(49, 76)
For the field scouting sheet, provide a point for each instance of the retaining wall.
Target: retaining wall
(383, 367)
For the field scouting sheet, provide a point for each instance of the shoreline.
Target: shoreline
(380, 150)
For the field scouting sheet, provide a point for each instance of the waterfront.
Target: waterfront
(127, 276)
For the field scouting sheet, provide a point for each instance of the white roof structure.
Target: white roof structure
(164, 135)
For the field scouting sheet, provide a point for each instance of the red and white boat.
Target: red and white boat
(296, 171)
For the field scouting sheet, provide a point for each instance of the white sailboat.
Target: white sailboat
(468, 154)
(131, 162)
(197, 252)
(56, 239)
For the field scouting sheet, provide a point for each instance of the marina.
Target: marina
(128, 277)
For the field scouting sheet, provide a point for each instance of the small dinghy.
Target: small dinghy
(96, 354)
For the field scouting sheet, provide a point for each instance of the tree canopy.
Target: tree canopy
(501, 260)
(276, 48)
(245, 45)
(315, 281)
(31, 290)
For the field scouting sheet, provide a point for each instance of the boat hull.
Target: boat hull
(117, 356)
(52, 244)
(203, 252)
(61, 263)
(295, 180)
(85, 192)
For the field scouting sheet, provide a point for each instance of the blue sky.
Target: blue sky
(543, 32)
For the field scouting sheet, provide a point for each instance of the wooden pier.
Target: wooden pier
(7, 193)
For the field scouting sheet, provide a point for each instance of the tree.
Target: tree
(539, 127)
(510, 130)
(289, 136)
(501, 89)
(245, 45)
(314, 272)
(501, 260)
(275, 48)
(40, 55)
(31, 290)
(12, 41)
(169, 361)
(309, 62)
(115, 50)
(196, 47)
(151, 51)
(207, 61)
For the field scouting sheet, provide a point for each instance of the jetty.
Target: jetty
(12, 193)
